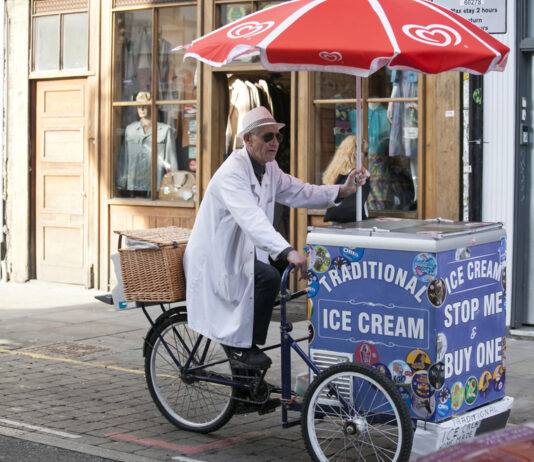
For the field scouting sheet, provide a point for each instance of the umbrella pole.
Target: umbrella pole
(359, 143)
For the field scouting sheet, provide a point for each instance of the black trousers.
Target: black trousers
(266, 288)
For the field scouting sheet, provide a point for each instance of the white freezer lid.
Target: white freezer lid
(436, 235)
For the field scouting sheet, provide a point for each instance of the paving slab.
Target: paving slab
(73, 366)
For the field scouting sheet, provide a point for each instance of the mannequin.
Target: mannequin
(134, 162)
(404, 132)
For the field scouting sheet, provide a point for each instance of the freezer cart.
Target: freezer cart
(424, 302)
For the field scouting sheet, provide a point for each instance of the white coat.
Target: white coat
(234, 219)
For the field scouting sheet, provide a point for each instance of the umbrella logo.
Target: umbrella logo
(249, 29)
(434, 34)
(331, 56)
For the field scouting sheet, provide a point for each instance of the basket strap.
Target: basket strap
(120, 242)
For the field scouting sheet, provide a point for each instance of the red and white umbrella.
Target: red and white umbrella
(355, 37)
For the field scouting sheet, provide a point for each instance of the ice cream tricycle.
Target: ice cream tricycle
(405, 348)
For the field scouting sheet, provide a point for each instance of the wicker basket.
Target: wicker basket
(154, 275)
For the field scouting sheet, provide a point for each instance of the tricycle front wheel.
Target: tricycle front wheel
(354, 412)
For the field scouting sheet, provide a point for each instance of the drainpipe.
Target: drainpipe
(3, 142)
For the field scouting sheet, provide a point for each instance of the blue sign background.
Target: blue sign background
(437, 317)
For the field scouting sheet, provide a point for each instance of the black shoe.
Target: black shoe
(269, 406)
(249, 358)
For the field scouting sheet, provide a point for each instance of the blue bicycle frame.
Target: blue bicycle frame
(287, 342)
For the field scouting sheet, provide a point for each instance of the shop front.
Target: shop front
(151, 129)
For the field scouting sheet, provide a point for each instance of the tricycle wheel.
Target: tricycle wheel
(183, 398)
(354, 412)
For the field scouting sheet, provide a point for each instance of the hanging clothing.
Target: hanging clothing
(342, 122)
(240, 103)
(134, 162)
(268, 103)
(164, 70)
(378, 129)
(167, 85)
(380, 194)
(282, 113)
(143, 53)
(126, 68)
(254, 94)
(404, 133)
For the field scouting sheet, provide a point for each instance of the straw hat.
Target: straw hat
(258, 117)
(143, 97)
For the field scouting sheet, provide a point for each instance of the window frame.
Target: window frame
(156, 9)
(60, 71)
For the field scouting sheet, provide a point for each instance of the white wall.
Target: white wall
(499, 146)
(17, 152)
(2, 122)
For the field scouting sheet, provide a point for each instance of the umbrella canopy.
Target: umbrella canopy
(355, 37)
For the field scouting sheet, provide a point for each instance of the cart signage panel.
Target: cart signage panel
(433, 322)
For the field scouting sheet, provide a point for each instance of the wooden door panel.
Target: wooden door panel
(62, 192)
(60, 181)
(62, 145)
(62, 245)
(68, 101)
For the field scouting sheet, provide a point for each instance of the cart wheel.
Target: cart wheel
(187, 402)
(354, 412)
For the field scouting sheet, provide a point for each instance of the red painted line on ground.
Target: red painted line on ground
(182, 447)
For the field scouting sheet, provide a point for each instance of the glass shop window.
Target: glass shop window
(154, 92)
(60, 42)
(390, 135)
(231, 11)
(228, 12)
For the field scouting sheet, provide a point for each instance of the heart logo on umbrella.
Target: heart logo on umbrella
(331, 56)
(434, 34)
(249, 29)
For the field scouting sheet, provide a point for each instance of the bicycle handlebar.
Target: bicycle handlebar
(285, 279)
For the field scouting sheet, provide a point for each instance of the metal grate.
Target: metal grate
(58, 6)
(323, 359)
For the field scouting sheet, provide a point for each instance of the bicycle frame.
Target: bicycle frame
(287, 343)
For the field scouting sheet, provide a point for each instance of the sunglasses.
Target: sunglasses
(268, 137)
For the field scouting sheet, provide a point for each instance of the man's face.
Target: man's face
(261, 150)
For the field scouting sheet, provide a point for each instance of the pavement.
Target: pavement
(72, 376)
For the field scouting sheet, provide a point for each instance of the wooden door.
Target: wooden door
(61, 145)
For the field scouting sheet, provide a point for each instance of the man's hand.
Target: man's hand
(300, 261)
(357, 177)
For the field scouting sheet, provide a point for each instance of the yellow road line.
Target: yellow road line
(71, 361)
